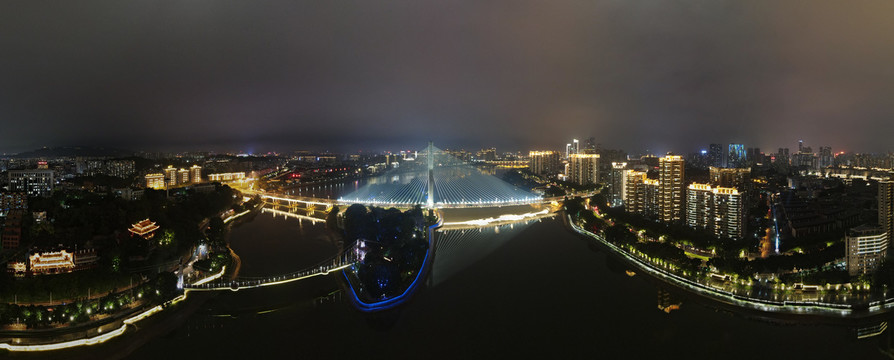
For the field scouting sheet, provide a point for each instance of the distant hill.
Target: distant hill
(72, 151)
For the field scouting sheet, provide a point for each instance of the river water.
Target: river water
(529, 290)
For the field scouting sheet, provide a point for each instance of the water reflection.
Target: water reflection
(458, 249)
(530, 289)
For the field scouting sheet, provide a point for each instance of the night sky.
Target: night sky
(372, 75)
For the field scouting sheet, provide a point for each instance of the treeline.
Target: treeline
(394, 247)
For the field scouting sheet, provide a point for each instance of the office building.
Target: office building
(670, 181)
(36, 182)
(545, 163)
(866, 248)
(583, 169)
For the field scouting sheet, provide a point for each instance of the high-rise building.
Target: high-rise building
(617, 181)
(716, 155)
(195, 174)
(650, 198)
(120, 168)
(182, 176)
(699, 200)
(487, 154)
(11, 235)
(633, 187)
(729, 213)
(736, 156)
(171, 175)
(729, 177)
(719, 210)
(783, 156)
(584, 168)
(34, 182)
(670, 181)
(866, 248)
(825, 156)
(886, 206)
(155, 181)
(544, 162)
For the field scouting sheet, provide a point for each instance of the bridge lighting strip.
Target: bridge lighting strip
(502, 218)
(279, 282)
(99, 339)
(284, 213)
(294, 200)
(233, 217)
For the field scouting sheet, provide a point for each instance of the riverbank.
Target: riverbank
(830, 310)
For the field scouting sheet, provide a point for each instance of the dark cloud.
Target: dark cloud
(670, 75)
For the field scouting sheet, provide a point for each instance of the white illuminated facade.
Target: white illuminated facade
(155, 181)
(866, 248)
(583, 168)
(224, 177)
(670, 182)
(717, 209)
(544, 162)
(195, 174)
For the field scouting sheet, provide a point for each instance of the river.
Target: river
(527, 290)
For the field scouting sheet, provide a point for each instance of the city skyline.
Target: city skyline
(660, 77)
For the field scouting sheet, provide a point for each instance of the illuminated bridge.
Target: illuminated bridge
(247, 282)
(439, 181)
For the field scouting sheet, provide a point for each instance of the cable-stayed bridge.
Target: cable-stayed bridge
(439, 180)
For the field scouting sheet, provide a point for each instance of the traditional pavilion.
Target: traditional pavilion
(145, 229)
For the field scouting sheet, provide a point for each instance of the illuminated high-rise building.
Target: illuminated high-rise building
(719, 210)
(155, 181)
(699, 200)
(886, 206)
(195, 174)
(633, 186)
(867, 247)
(729, 213)
(670, 181)
(736, 156)
(182, 176)
(617, 181)
(583, 168)
(544, 162)
(729, 177)
(171, 175)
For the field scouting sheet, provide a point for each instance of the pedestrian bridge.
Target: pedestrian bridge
(245, 282)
